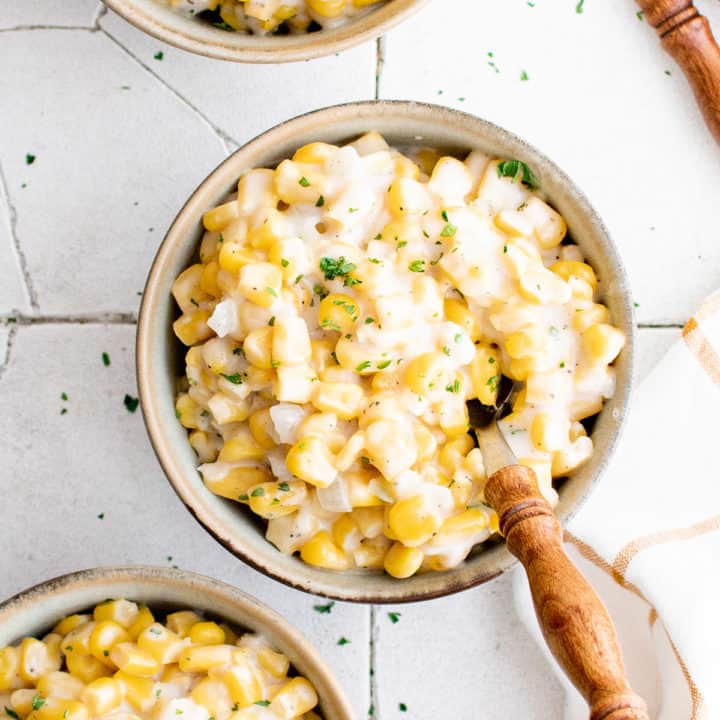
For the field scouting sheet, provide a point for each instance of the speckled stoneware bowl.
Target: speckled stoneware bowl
(36, 610)
(203, 38)
(160, 355)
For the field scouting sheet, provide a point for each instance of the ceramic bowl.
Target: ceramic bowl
(203, 38)
(160, 356)
(36, 610)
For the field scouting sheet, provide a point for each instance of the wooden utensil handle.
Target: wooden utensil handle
(687, 36)
(573, 619)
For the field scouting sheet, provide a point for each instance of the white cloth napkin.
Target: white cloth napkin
(649, 536)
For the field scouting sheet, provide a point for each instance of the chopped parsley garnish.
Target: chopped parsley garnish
(334, 357)
(131, 403)
(235, 378)
(333, 268)
(29, 159)
(417, 266)
(458, 337)
(258, 492)
(64, 396)
(517, 170)
(263, 703)
(37, 702)
(63, 411)
(562, 364)
(446, 349)
(448, 231)
(505, 248)
(330, 324)
(491, 360)
(402, 707)
(401, 244)
(375, 261)
(394, 617)
(454, 387)
(271, 291)
(11, 713)
(385, 363)
(640, 15)
(364, 365)
(369, 320)
(271, 321)
(343, 641)
(324, 609)
(492, 382)
(106, 359)
(284, 262)
(284, 487)
(553, 331)
(320, 201)
(524, 75)
(304, 181)
(298, 278)
(101, 516)
(580, 7)
(159, 55)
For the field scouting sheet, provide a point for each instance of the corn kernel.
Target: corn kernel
(200, 658)
(603, 343)
(260, 283)
(412, 521)
(102, 695)
(310, 459)
(327, 8)
(123, 612)
(129, 658)
(86, 667)
(274, 662)
(294, 699)
(138, 691)
(457, 311)
(322, 552)
(192, 328)
(61, 685)
(549, 433)
(221, 216)
(275, 499)
(213, 696)
(427, 373)
(291, 341)
(338, 312)
(163, 644)
(70, 623)
(402, 562)
(242, 682)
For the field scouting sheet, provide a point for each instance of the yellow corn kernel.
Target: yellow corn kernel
(58, 709)
(390, 446)
(275, 499)
(221, 216)
(54, 653)
(327, 8)
(452, 453)
(322, 552)
(188, 412)
(549, 225)
(181, 621)
(35, 660)
(242, 446)
(102, 695)
(291, 341)
(469, 522)
(206, 445)
(104, 637)
(369, 520)
(408, 197)
(260, 283)
(192, 328)
(338, 312)
(298, 182)
(163, 644)
(453, 414)
(360, 491)
(458, 312)
(474, 464)
(587, 315)
(70, 623)
(346, 400)
(9, 666)
(402, 562)
(345, 533)
(86, 667)
(209, 281)
(310, 459)
(144, 619)
(371, 553)
(138, 691)
(603, 342)
(425, 442)
(540, 286)
(485, 374)
(322, 358)
(200, 658)
(316, 152)
(427, 373)
(258, 347)
(255, 190)
(549, 433)
(274, 662)
(294, 383)
(412, 521)
(186, 288)
(460, 486)
(242, 682)
(233, 257)
(406, 168)
(207, 633)
(123, 612)
(129, 658)
(568, 269)
(21, 701)
(213, 696)
(514, 223)
(294, 699)
(525, 343)
(60, 685)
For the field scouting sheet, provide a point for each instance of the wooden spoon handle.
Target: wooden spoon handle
(575, 623)
(687, 36)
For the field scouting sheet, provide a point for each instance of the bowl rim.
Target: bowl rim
(152, 417)
(147, 576)
(244, 48)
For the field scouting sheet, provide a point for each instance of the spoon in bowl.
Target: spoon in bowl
(573, 619)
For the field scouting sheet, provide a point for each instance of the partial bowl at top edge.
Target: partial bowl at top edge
(158, 352)
(202, 38)
(35, 610)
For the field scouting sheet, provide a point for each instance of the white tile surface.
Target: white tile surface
(52, 481)
(13, 294)
(245, 100)
(78, 13)
(597, 101)
(100, 149)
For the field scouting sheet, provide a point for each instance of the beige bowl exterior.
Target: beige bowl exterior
(204, 39)
(160, 357)
(36, 610)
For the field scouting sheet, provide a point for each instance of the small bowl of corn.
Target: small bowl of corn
(334, 328)
(262, 31)
(146, 642)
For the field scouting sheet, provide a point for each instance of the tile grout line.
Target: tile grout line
(379, 63)
(22, 261)
(373, 709)
(219, 132)
(6, 360)
(100, 12)
(21, 320)
(26, 28)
